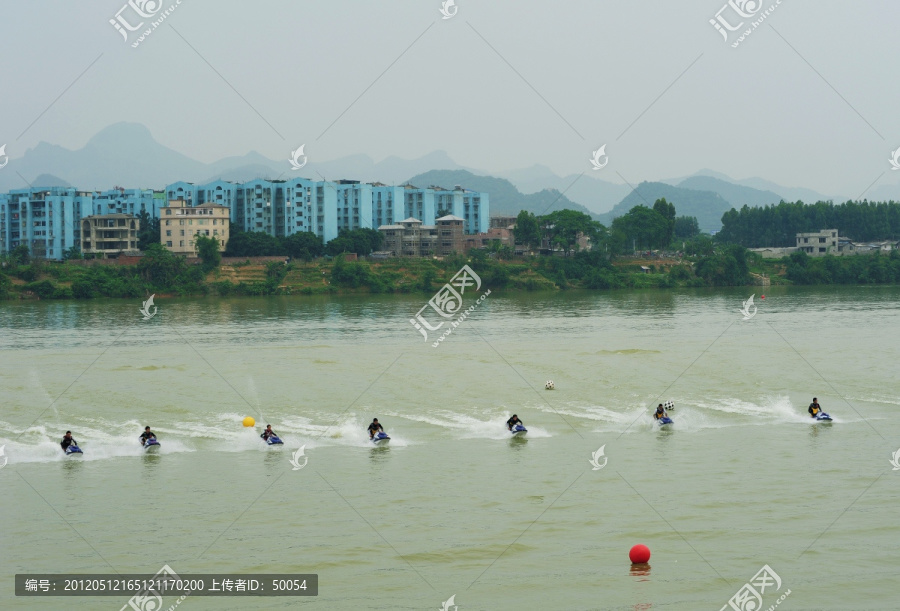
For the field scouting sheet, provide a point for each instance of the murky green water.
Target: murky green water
(453, 506)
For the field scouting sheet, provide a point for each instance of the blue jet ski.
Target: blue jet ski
(823, 417)
(380, 438)
(665, 421)
(518, 431)
(151, 445)
(73, 449)
(273, 440)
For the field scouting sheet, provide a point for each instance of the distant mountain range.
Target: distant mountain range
(593, 193)
(125, 154)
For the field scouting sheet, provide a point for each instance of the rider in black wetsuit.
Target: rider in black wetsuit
(68, 440)
(374, 428)
(513, 422)
(814, 408)
(268, 433)
(147, 434)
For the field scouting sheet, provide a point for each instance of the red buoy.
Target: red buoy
(639, 554)
(762, 296)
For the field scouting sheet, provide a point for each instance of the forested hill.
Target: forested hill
(706, 206)
(504, 197)
(779, 225)
(736, 195)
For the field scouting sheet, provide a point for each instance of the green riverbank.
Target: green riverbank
(164, 273)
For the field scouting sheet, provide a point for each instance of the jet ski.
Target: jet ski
(273, 440)
(73, 449)
(822, 417)
(151, 445)
(665, 421)
(518, 431)
(380, 438)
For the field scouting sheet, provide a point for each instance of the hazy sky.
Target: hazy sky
(810, 98)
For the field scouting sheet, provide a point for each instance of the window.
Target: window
(182, 232)
(181, 243)
(169, 243)
(168, 212)
(168, 222)
(821, 240)
(821, 250)
(168, 233)
(181, 221)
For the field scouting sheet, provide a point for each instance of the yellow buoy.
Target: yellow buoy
(249, 421)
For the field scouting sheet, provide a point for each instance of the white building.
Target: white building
(819, 243)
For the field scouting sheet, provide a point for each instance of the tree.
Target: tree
(701, 245)
(528, 230)
(149, 230)
(686, 227)
(727, 268)
(641, 228)
(565, 227)
(161, 267)
(208, 250)
(252, 244)
(667, 211)
(303, 245)
(20, 255)
(72, 253)
(361, 241)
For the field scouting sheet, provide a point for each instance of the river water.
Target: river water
(453, 506)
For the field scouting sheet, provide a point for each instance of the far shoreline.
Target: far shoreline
(167, 276)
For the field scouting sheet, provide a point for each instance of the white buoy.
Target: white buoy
(549, 385)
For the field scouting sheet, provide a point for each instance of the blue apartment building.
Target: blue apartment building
(46, 219)
(129, 201)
